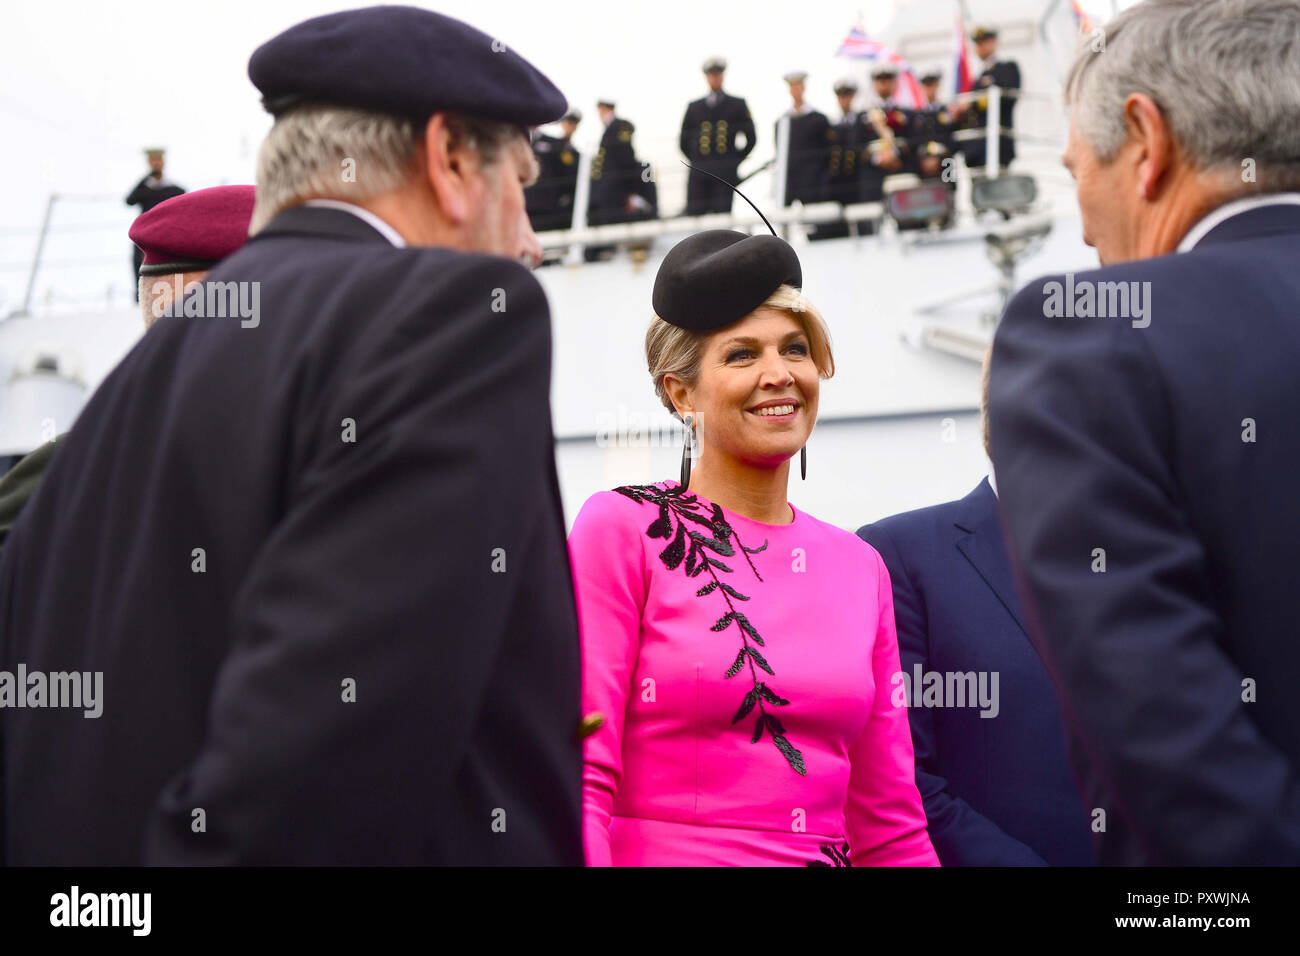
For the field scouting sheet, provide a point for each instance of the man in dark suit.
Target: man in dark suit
(996, 784)
(1141, 418)
(711, 131)
(314, 545)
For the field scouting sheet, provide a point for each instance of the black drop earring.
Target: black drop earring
(686, 453)
(803, 463)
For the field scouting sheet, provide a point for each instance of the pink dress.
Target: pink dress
(744, 672)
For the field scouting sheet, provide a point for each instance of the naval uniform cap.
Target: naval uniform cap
(574, 115)
(931, 76)
(984, 33)
(884, 69)
(717, 277)
(193, 231)
(845, 86)
(714, 64)
(608, 104)
(798, 76)
(402, 61)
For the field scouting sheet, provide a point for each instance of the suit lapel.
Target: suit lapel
(979, 539)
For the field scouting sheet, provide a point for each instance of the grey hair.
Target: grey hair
(317, 151)
(1225, 74)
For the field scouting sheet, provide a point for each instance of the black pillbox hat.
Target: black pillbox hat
(402, 61)
(717, 277)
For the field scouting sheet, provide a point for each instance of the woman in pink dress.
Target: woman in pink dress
(741, 651)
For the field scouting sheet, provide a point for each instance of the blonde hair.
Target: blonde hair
(670, 350)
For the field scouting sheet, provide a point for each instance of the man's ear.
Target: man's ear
(1149, 132)
(446, 167)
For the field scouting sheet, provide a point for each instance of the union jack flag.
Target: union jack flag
(857, 45)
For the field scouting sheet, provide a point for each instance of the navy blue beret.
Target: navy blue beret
(403, 61)
(717, 277)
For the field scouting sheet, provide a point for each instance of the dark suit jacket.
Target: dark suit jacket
(997, 790)
(1125, 444)
(326, 564)
(713, 146)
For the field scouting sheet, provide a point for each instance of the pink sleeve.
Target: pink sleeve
(884, 815)
(609, 585)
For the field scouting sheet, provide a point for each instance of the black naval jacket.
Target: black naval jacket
(709, 133)
(1004, 74)
(550, 199)
(146, 194)
(616, 174)
(373, 659)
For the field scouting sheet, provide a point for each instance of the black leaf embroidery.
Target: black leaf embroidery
(734, 669)
(761, 662)
(745, 707)
(838, 855)
(697, 549)
(673, 554)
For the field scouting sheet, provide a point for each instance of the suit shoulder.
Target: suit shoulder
(908, 525)
(467, 272)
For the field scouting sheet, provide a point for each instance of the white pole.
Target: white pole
(992, 152)
(580, 196)
(782, 191)
(25, 308)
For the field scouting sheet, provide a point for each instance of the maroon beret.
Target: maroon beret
(194, 231)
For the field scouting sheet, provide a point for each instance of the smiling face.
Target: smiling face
(760, 364)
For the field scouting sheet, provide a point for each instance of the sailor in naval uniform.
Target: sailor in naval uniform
(710, 140)
(887, 125)
(550, 199)
(929, 133)
(974, 113)
(618, 187)
(806, 148)
(152, 189)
